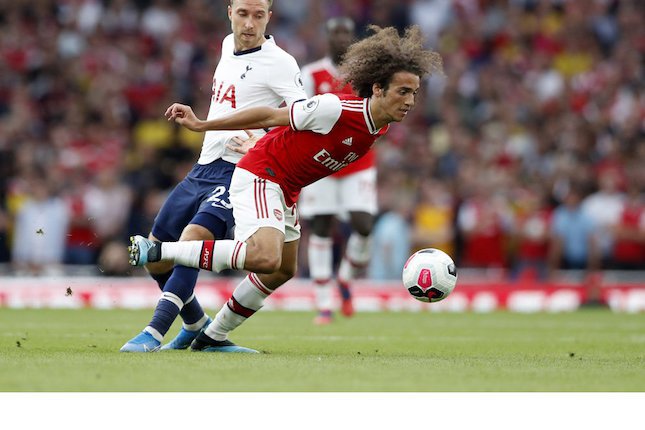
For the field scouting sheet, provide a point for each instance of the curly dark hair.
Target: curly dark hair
(375, 59)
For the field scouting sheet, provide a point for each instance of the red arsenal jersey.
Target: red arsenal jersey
(322, 77)
(327, 133)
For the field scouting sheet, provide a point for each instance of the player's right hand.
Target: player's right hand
(184, 115)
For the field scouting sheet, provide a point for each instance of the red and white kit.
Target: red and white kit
(333, 131)
(353, 188)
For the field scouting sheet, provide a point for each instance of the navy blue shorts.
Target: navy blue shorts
(201, 198)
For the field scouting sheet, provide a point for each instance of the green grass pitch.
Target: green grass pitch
(77, 350)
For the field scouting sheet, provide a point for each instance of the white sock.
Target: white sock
(357, 256)
(320, 258)
(154, 333)
(247, 299)
(323, 296)
(214, 255)
(321, 263)
(196, 325)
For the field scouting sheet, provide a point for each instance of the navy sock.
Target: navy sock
(192, 311)
(165, 313)
(182, 284)
(161, 278)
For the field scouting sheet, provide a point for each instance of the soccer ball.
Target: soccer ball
(429, 275)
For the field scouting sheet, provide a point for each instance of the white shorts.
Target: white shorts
(260, 203)
(337, 196)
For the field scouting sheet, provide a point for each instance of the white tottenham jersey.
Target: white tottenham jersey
(263, 76)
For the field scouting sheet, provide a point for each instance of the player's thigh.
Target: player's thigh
(362, 222)
(261, 216)
(321, 225)
(201, 198)
(358, 192)
(177, 211)
(320, 198)
(196, 232)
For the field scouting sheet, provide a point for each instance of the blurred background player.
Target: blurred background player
(385, 69)
(348, 192)
(199, 208)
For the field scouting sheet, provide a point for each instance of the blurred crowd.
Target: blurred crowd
(527, 155)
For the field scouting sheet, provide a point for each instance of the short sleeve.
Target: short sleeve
(287, 81)
(318, 114)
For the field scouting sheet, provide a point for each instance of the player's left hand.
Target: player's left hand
(242, 146)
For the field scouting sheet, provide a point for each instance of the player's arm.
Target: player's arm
(249, 118)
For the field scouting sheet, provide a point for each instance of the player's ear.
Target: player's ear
(377, 90)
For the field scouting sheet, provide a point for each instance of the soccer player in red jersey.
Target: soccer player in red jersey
(350, 192)
(313, 138)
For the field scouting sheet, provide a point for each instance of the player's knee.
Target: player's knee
(364, 230)
(262, 260)
(196, 232)
(321, 225)
(362, 223)
(267, 263)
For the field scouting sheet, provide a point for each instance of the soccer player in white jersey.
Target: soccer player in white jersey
(349, 192)
(314, 138)
(252, 71)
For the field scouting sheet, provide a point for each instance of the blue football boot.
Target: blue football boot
(143, 342)
(184, 338)
(143, 251)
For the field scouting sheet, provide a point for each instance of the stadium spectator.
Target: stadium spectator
(485, 220)
(393, 233)
(83, 244)
(433, 217)
(628, 232)
(41, 226)
(604, 208)
(107, 203)
(573, 243)
(531, 234)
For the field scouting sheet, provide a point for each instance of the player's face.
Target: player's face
(249, 19)
(393, 104)
(339, 40)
